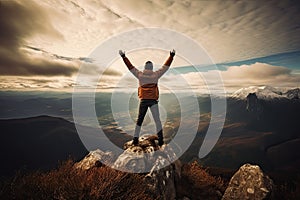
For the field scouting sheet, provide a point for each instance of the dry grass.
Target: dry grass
(288, 190)
(197, 183)
(69, 183)
(66, 182)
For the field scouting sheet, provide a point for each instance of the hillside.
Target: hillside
(38, 143)
(268, 136)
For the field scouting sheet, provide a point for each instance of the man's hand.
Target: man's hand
(172, 53)
(122, 53)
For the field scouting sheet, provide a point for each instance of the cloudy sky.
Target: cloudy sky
(44, 43)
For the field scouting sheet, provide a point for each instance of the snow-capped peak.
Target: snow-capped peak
(266, 92)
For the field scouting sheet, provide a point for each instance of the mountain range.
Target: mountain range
(267, 134)
(267, 93)
(269, 137)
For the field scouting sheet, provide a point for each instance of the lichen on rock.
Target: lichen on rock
(249, 182)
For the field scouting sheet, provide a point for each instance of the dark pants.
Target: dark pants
(143, 107)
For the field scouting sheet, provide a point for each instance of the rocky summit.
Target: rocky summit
(164, 175)
(147, 156)
(156, 164)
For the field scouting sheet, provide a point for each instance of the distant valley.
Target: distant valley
(269, 137)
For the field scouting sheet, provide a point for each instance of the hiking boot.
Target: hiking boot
(135, 141)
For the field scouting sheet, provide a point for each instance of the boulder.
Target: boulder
(249, 182)
(162, 182)
(95, 159)
(156, 164)
(161, 173)
(147, 156)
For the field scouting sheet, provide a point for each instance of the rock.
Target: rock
(249, 182)
(145, 142)
(131, 160)
(252, 102)
(156, 162)
(254, 105)
(147, 156)
(293, 94)
(94, 159)
(162, 180)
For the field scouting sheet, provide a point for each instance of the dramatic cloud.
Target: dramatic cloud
(236, 77)
(260, 74)
(19, 21)
(228, 30)
(35, 83)
(51, 39)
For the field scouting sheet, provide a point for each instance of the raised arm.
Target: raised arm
(131, 68)
(167, 64)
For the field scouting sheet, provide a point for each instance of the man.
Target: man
(148, 93)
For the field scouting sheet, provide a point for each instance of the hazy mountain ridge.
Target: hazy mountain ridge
(267, 93)
(38, 143)
(269, 138)
(41, 142)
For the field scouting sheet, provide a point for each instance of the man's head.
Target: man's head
(149, 65)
